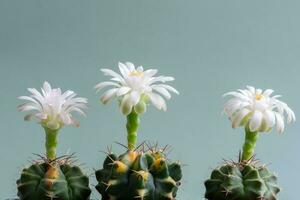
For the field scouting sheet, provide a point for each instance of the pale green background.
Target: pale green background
(211, 47)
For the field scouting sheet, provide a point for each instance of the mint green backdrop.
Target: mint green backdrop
(211, 47)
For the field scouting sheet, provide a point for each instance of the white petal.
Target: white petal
(168, 87)
(67, 94)
(238, 118)
(134, 97)
(47, 87)
(65, 118)
(102, 85)
(140, 69)
(232, 107)
(235, 94)
(79, 111)
(258, 91)
(27, 107)
(255, 121)
(268, 92)
(108, 72)
(123, 90)
(150, 72)
(252, 89)
(109, 95)
(30, 99)
(269, 118)
(279, 122)
(290, 114)
(160, 79)
(123, 69)
(37, 95)
(126, 105)
(75, 122)
(37, 115)
(158, 101)
(41, 115)
(162, 91)
(130, 66)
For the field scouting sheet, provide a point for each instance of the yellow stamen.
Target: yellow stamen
(258, 97)
(136, 73)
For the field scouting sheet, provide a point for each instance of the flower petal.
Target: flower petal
(123, 90)
(269, 117)
(102, 85)
(130, 66)
(126, 105)
(255, 121)
(134, 97)
(238, 118)
(162, 91)
(109, 95)
(158, 101)
(123, 69)
(279, 122)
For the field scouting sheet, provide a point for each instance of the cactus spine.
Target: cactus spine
(138, 174)
(241, 181)
(53, 178)
(244, 180)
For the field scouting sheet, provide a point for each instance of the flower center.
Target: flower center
(136, 73)
(258, 97)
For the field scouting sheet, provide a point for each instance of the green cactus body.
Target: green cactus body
(240, 181)
(49, 182)
(135, 175)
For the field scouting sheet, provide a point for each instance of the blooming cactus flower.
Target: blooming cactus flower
(257, 109)
(52, 107)
(136, 87)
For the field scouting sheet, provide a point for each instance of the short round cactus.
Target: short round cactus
(43, 181)
(138, 175)
(241, 181)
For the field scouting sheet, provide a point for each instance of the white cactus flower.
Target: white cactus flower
(257, 109)
(135, 87)
(52, 107)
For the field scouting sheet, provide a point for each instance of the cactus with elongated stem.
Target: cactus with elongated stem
(146, 175)
(53, 177)
(246, 179)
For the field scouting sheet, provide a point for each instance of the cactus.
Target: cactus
(53, 177)
(138, 175)
(241, 181)
(53, 180)
(257, 112)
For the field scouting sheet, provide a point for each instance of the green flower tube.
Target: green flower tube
(250, 144)
(132, 126)
(51, 143)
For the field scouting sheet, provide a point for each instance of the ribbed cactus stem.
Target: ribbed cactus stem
(250, 144)
(51, 143)
(132, 126)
